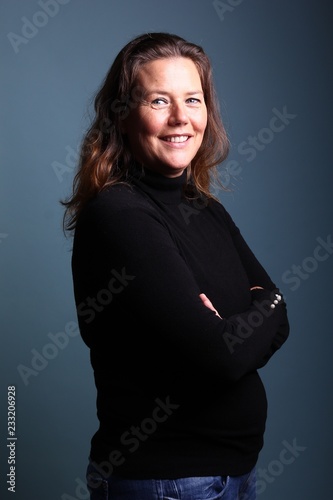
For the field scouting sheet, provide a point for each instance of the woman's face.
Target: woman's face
(166, 130)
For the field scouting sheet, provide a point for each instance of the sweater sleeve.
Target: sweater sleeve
(159, 290)
(258, 276)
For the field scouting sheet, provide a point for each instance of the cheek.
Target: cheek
(200, 122)
(151, 128)
(152, 122)
(204, 120)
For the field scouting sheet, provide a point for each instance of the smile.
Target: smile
(178, 138)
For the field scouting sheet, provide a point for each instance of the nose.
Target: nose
(178, 114)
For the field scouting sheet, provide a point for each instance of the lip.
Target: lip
(167, 139)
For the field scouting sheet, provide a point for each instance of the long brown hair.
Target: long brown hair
(105, 157)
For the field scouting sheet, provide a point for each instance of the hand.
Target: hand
(208, 303)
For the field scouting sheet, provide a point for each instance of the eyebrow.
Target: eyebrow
(165, 92)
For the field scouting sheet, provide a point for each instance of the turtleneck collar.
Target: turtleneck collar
(168, 190)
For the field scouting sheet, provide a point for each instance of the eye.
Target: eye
(159, 102)
(193, 100)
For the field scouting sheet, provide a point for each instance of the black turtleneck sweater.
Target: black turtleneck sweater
(178, 392)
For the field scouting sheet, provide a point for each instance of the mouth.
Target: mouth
(176, 138)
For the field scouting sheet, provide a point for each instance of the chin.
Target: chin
(178, 165)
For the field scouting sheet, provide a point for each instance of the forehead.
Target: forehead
(171, 72)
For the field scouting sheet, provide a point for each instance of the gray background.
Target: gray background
(266, 56)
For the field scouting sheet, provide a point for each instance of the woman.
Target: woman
(176, 310)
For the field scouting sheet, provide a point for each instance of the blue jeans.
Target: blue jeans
(188, 488)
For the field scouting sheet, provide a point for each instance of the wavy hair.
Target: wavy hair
(105, 157)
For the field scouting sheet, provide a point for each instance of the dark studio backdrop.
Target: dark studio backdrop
(273, 72)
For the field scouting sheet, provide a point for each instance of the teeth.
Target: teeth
(179, 138)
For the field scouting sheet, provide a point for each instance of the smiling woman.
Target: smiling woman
(176, 341)
(165, 131)
(106, 157)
